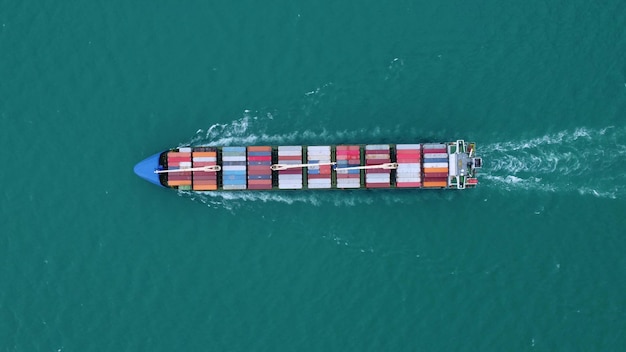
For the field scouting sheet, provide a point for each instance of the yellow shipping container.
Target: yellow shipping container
(435, 184)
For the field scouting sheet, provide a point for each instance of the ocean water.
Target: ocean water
(92, 258)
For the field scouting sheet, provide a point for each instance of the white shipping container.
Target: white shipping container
(319, 181)
(434, 146)
(319, 185)
(368, 178)
(404, 178)
(317, 156)
(185, 164)
(290, 153)
(348, 185)
(234, 158)
(452, 162)
(290, 162)
(204, 159)
(435, 155)
(290, 177)
(408, 174)
(408, 146)
(290, 186)
(432, 165)
(290, 148)
(415, 164)
(319, 149)
(184, 150)
(234, 168)
(377, 147)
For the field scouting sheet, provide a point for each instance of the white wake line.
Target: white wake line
(514, 183)
(582, 134)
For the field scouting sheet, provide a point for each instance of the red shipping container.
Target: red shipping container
(259, 182)
(260, 158)
(180, 178)
(435, 179)
(204, 178)
(370, 152)
(179, 159)
(377, 161)
(408, 155)
(377, 171)
(325, 169)
(179, 154)
(294, 171)
(260, 187)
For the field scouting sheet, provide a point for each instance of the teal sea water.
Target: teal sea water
(92, 258)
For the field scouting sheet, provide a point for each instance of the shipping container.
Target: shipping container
(431, 146)
(408, 146)
(408, 184)
(435, 165)
(435, 184)
(428, 170)
(435, 179)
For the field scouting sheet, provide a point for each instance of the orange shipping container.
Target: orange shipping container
(259, 149)
(204, 187)
(178, 155)
(179, 182)
(435, 169)
(435, 184)
(204, 154)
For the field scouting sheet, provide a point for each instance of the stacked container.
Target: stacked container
(435, 165)
(348, 156)
(233, 168)
(376, 154)
(179, 160)
(318, 176)
(204, 180)
(409, 172)
(290, 178)
(259, 172)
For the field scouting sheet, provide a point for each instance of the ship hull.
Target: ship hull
(448, 165)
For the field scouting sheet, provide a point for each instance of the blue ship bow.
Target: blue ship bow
(145, 169)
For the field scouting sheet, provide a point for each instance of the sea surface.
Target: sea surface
(92, 258)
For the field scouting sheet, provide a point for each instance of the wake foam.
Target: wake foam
(340, 198)
(585, 161)
(258, 128)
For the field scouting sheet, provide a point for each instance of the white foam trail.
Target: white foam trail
(583, 160)
(255, 128)
(349, 198)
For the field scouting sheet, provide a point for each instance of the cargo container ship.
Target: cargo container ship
(450, 165)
